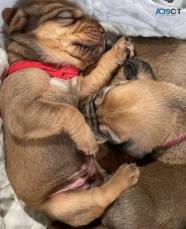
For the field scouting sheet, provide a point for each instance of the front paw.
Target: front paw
(87, 143)
(122, 49)
(130, 174)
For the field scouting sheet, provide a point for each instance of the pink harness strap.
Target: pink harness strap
(175, 141)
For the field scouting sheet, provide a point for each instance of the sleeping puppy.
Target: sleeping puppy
(50, 43)
(165, 56)
(144, 117)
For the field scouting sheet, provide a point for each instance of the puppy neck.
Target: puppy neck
(61, 72)
(173, 151)
(174, 155)
(175, 141)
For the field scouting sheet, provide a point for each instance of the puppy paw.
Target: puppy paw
(122, 49)
(87, 143)
(130, 174)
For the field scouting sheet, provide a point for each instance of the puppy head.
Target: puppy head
(58, 29)
(133, 69)
(135, 114)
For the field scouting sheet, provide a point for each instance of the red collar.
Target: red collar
(175, 141)
(61, 72)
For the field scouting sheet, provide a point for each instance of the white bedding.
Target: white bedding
(138, 17)
(130, 17)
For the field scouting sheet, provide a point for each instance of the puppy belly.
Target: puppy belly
(84, 179)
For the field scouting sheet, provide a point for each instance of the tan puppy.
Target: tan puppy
(165, 55)
(42, 126)
(144, 116)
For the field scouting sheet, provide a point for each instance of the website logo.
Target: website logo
(168, 11)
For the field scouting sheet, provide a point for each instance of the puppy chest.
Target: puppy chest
(65, 90)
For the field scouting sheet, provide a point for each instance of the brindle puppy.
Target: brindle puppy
(144, 116)
(43, 130)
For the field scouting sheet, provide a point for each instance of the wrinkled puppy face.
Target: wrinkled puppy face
(57, 29)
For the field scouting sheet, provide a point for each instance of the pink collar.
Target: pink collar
(175, 141)
(61, 72)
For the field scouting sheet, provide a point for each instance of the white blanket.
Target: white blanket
(133, 17)
(130, 17)
(139, 17)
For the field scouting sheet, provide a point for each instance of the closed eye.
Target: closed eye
(65, 21)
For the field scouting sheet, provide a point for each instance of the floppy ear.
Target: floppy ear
(15, 19)
(109, 133)
(137, 69)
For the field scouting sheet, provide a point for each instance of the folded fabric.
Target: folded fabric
(3, 61)
(139, 17)
(134, 17)
(171, 3)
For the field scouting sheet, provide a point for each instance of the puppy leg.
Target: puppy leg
(44, 119)
(79, 208)
(108, 63)
(133, 209)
